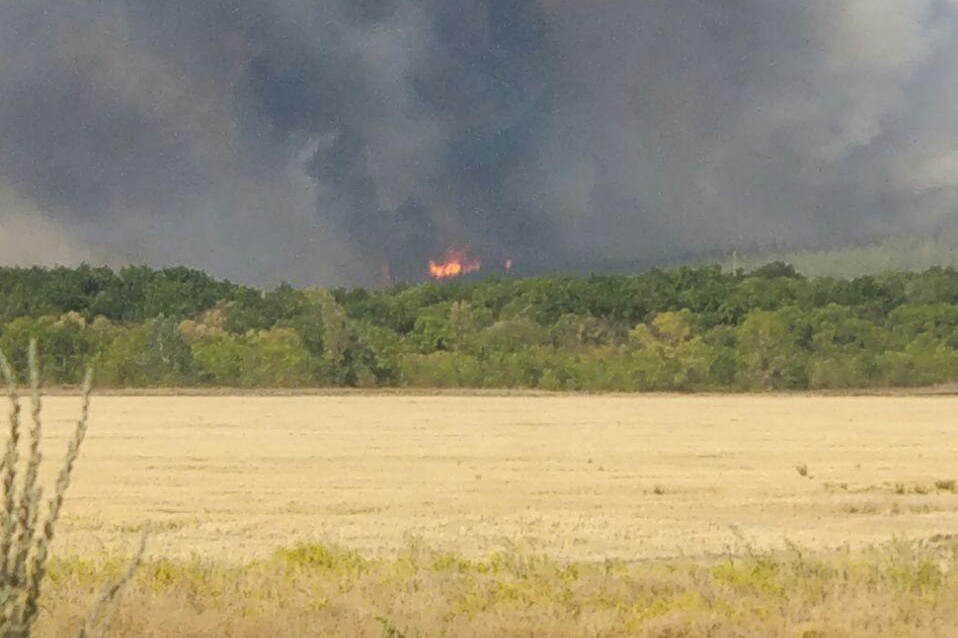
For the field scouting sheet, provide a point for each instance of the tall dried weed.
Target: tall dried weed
(26, 527)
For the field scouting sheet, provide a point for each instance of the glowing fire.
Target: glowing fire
(454, 263)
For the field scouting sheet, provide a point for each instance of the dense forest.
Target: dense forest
(687, 329)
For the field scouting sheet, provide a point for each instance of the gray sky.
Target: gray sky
(316, 142)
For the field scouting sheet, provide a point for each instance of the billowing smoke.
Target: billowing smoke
(318, 142)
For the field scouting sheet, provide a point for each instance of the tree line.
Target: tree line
(688, 329)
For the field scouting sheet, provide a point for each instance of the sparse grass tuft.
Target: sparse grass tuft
(947, 485)
(389, 629)
(318, 556)
(921, 489)
(802, 470)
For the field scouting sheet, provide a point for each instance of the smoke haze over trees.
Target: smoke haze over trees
(318, 142)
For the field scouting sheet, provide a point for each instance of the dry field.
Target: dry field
(559, 517)
(570, 476)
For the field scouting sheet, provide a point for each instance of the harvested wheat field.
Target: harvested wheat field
(575, 477)
(538, 515)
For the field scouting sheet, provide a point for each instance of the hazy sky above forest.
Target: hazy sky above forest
(316, 142)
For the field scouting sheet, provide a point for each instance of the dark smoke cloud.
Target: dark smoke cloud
(319, 141)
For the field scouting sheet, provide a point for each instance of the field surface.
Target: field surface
(574, 477)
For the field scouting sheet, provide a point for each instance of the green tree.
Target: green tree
(771, 350)
(276, 358)
(221, 359)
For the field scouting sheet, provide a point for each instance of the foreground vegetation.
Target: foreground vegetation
(314, 590)
(688, 329)
(26, 530)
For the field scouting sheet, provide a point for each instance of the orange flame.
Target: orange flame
(454, 263)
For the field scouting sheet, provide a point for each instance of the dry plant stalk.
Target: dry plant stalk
(25, 535)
